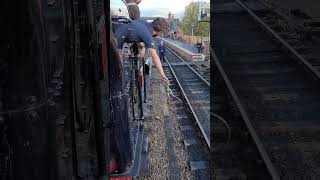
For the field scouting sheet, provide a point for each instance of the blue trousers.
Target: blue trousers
(162, 57)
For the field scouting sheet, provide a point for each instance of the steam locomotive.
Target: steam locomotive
(61, 116)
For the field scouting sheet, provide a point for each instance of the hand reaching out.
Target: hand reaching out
(165, 79)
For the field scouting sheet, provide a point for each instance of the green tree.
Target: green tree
(191, 17)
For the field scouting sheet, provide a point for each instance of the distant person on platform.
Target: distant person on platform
(133, 8)
(199, 46)
(162, 50)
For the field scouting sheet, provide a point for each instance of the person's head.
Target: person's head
(161, 42)
(159, 26)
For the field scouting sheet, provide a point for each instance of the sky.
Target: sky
(156, 7)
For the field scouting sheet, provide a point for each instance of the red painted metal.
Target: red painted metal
(113, 166)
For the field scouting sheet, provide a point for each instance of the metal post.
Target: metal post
(132, 87)
(137, 83)
(144, 80)
(192, 25)
(140, 95)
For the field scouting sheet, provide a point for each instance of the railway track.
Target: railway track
(190, 96)
(203, 68)
(272, 91)
(301, 33)
(195, 90)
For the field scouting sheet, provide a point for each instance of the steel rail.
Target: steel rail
(310, 69)
(297, 55)
(189, 66)
(246, 119)
(206, 137)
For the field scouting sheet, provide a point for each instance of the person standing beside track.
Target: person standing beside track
(141, 31)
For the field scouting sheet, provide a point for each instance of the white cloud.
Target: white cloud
(157, 7)
(163, 6)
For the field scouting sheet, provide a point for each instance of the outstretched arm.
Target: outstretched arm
(157, 63)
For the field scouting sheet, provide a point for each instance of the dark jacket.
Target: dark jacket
(136, 31)
(162, 49)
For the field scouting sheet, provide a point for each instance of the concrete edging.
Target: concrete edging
(184, 53)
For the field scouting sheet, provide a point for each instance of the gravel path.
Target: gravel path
(154, 123)
(168, 159)
(179, 146)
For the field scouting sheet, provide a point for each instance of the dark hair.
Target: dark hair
(160, 24)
